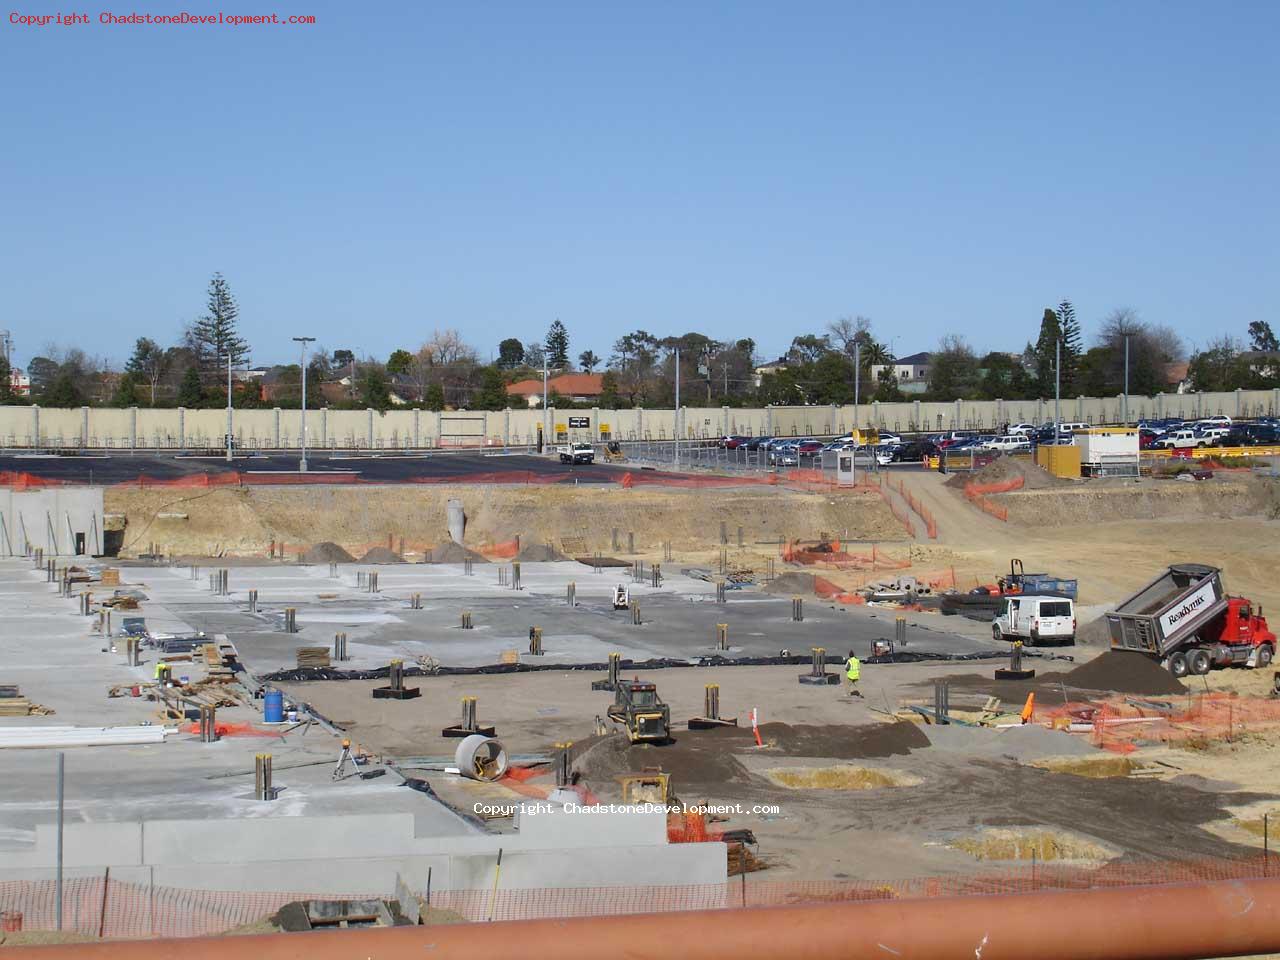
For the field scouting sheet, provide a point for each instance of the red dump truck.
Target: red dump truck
(1185, 619)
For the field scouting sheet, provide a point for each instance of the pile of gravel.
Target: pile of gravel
(381, 555)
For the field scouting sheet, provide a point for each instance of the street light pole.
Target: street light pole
(302, 463)
(675, 459)
(1057, 389)
(228, 406)
(857, 380)
(1126, 380)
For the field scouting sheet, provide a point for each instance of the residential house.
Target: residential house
(1177, 377)
(912, 372)
(19, 382)
(773, 366)
(575, 387)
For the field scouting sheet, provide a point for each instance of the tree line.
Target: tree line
(844, 362)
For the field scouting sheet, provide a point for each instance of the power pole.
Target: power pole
(1057, 388)
(857, 379)
(302, 463)
(546, 426)
(676, 455)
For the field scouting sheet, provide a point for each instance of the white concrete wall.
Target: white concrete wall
(177, 429)
(49, 519)
(363, 853)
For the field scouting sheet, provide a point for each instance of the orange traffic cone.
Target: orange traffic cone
(1029, 708)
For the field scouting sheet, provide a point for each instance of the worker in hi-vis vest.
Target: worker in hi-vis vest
(852, 672)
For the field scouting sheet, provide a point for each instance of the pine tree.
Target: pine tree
(1046, 353)
(557, 346)
(190, 393)
(1069, 328)
(6, 380)
(493, 391)
(214, 335)
(433, 399)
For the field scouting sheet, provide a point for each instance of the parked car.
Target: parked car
(577, 453)
(1180, 438)
(808, 448)
(755, 443)
(1214, 435)
(1252, 435)
(888, 440)
(1011, 443)
(912, 452)
(1218, 421)
(1146, 437)
(784, 455)
(1021, 429)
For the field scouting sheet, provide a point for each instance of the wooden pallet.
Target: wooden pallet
(312, 657)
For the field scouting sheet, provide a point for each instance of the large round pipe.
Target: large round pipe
(1177, 922)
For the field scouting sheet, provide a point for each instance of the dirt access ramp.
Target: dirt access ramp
(246, 520)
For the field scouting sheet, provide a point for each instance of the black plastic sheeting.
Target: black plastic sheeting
(305, 674)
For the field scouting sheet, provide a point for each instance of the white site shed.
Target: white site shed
(1108, 451)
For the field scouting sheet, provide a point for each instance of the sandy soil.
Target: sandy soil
(247, 520)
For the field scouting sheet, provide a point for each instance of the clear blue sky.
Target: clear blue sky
(740, 168)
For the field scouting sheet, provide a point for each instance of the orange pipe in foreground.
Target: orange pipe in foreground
(1222, 919)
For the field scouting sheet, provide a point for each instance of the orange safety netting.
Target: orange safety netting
(976, 493)
(19, 480)
(99, 906)
(506, 550)
(825, 589)
(1122, 725)
(233, 730)
(833, 554)
(930, 525)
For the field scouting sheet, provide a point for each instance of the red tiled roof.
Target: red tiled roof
(567, 385)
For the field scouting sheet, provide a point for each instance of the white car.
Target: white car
(1021, 429)
(1180, 438)
(888, 440)
(1008, 444)
(1218, 421)
(1033, 619)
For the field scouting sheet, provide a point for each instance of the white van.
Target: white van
(1073, 427)
(1035, 620)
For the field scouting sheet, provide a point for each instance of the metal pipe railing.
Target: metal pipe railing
(1177, 922)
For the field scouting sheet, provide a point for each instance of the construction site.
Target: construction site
(249, 703)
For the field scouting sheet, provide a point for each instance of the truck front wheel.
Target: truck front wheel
(1265, 655)
(1178, 665)
(996, 633)
(1199, 662)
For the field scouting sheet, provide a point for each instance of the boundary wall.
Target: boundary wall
(177, 429)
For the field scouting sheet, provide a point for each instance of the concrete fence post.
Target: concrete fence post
(35, 424)
(439, 428)
(182, 428)
(275, 440)
(639, 423)
(506, 427)
(1239, 414)
(324, 427)
(417, 428)
(915, 414)
(133, 428)
(370, 428)
(84, 426)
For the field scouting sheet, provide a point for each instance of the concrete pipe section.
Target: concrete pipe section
(481, 758)
(1222, 919)
(457, 520)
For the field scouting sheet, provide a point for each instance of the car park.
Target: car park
(1021, 429)
(913, 451)
(1252, 435)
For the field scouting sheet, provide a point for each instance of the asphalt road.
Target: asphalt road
(401, 469)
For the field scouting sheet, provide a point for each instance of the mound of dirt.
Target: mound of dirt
(842, 742)
(381, 555)
(1095, 633)
(451, 552)
(790, 584)
(540, 553)
(1002, 469)
(1116, 670)
(1124, 672)
(327, 552)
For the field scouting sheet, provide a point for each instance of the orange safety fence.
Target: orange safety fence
(19, 480)
(1121, 726)
(832, 554)
(109, 908)
(506, 550)
(976, 493)
(921, 511)
(234, 730)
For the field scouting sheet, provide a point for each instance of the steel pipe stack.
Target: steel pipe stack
(208, 725)
(635, 613)
(535, 641)
(466, 619)
(571, 594)
(900, 632)
(340, 647)
(722, 637)
(797, 609)
(291, 619)
(253, 601)
(711, 701)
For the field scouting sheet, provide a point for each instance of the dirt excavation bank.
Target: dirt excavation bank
(247, 520)
(1147, 499)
